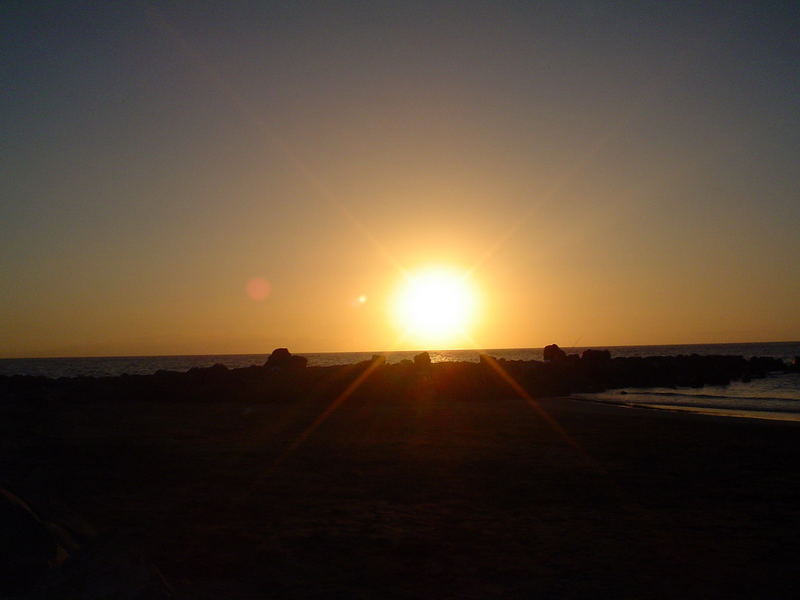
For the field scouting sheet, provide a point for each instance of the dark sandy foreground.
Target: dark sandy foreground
(422, 496)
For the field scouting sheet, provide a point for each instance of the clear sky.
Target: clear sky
(606, 172)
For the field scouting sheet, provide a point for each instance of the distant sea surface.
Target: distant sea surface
(776, 397)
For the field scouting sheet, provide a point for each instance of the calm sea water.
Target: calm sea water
(776, 397)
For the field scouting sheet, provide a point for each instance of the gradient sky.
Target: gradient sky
(610, 172)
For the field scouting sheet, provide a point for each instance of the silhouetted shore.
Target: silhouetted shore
(289, 377)
(414, 480)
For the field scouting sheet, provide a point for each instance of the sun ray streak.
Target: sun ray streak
(323, 416)
(551, 422)
(652, 87)
(204, 66)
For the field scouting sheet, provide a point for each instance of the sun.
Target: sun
(436, 305)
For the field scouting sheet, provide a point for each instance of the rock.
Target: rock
(553, 353)
(596, 356)
(422, 360)
(281, 359)
(298, 362)
(216, 374)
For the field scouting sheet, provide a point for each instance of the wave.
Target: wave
(747, 408)
(713, 396)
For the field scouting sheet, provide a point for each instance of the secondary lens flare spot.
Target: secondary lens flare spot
(258, 288)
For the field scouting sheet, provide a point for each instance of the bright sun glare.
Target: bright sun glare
(436, 305)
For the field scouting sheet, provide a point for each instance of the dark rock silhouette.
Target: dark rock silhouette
(42, 558)
(553, 353)
(282, 359)
(213, 376)
(299, 362)
(422, 360)
(285, 377)
(595, 356)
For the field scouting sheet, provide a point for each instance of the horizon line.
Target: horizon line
(267, 353)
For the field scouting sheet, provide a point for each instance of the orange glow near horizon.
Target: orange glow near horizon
(283, 176)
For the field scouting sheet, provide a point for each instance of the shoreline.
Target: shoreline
(765, 415)
(594, 372)
(696, 345)
(408, 488)
(147, 365)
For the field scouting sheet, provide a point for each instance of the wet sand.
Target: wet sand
(421, 495)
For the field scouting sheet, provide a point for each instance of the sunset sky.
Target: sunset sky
(198, 177)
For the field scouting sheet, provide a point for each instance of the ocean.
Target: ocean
(775, 397)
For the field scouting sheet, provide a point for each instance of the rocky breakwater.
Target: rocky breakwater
(286, 377)
(596, 370)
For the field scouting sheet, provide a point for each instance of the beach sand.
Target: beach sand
(416, 495)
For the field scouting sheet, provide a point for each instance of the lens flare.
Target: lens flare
(258, 288)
